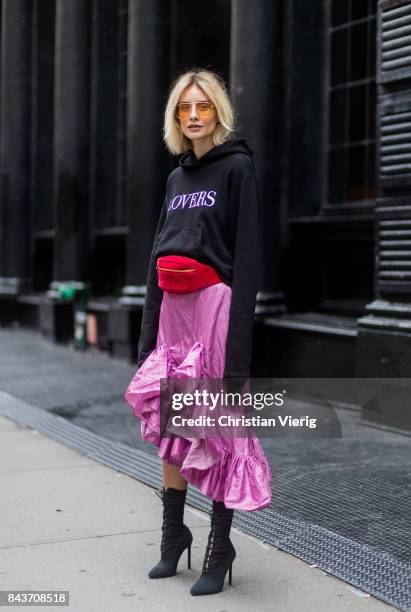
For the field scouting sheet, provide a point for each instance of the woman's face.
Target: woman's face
(192, 95)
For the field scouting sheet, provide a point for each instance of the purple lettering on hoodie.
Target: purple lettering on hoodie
(173, 206)
(197, 198)
(210, 197)
(186, 198)
(193, 199)
(202, 195)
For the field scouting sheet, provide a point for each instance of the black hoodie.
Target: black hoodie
(210, 213)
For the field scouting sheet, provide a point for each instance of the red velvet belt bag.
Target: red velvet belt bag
(179, 274)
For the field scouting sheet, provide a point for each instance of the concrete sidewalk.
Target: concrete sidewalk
(70, 523)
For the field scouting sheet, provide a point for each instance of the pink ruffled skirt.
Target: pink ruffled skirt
(191, 343)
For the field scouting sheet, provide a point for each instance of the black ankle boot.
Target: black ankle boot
(220, 553)
(176, 536)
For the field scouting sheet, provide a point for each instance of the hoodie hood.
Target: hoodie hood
(233, 145)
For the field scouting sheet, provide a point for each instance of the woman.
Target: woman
(198, 318)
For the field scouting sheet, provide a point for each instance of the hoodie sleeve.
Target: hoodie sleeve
(244, 222)
(152, 302)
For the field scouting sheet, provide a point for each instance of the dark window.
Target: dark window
(351, 147)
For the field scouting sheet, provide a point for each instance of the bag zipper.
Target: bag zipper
(174, 270)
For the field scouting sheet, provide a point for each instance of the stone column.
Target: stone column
(148, 163)
(15, 152)
(70, 164)
(257, 94)
(71, 141)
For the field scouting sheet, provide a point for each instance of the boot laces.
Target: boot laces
(172, 527)
(218, 540)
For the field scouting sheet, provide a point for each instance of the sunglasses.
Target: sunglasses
(203, 109)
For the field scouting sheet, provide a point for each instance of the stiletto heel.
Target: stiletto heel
(230, 574)
(189, 557)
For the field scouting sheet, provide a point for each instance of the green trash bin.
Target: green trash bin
(79, 293)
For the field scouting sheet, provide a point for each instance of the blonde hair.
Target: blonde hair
(215, 89)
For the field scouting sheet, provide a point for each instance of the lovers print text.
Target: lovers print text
(192, 200)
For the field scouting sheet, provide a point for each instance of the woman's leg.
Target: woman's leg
(173, 478)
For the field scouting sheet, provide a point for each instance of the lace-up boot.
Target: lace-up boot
(220, 553)
(176, 536)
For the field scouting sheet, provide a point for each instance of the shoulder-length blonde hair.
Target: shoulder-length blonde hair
(215, 89)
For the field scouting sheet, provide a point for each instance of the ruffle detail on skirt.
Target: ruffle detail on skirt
(240, 481)
(233, 470)
(143, 392)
